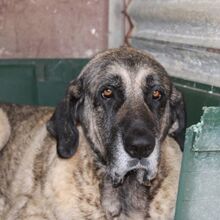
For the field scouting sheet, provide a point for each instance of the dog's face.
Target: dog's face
(127, 105)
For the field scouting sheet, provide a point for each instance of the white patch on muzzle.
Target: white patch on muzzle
(123, 163)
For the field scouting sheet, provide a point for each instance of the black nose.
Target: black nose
(139, 143)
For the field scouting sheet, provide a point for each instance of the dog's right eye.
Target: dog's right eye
(156, 94)
(107, 93)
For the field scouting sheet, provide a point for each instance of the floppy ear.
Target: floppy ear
(178, 117)
(62, 124)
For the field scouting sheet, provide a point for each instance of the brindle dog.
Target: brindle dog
(109, 150)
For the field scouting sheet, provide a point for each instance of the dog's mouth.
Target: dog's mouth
(140, 170)
(122, 165)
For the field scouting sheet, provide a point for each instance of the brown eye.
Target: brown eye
(107, 93)
(156, 95)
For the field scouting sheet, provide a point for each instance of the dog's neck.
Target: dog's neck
(132, 198)
(129, 197)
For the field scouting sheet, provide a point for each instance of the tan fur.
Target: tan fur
(5, 129)
(42, 186)
(170, 162)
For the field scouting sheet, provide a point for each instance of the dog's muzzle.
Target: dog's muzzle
(137, 150)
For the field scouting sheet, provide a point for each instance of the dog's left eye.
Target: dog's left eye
(107, 93)
(156, 95)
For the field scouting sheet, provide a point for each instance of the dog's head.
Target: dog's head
(127, 105)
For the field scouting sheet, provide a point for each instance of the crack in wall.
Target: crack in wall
(129, 24)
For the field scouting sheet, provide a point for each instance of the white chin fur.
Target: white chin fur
(146, 168)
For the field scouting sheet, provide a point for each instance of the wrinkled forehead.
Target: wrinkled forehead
(129, 70)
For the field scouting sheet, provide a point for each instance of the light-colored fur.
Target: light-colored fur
(40, 185)
(5, 129)
(171, 158)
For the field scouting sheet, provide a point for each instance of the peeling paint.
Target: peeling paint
(93, 31)
(3, 52)
(89, 53)
(199, 193)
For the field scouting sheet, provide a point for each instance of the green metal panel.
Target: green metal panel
(199, 192)
(37, 82)
(18, 82)
(196, 96)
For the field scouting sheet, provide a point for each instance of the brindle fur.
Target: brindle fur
(70, 172)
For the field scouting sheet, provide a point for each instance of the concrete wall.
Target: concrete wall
(50, 29)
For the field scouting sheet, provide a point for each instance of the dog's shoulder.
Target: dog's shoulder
(73, 185)
(29, 161)
(23, 121)
(27, 135)
(18, 114)
(20, 125)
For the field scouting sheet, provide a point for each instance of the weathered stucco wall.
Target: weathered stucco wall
(49, 29)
